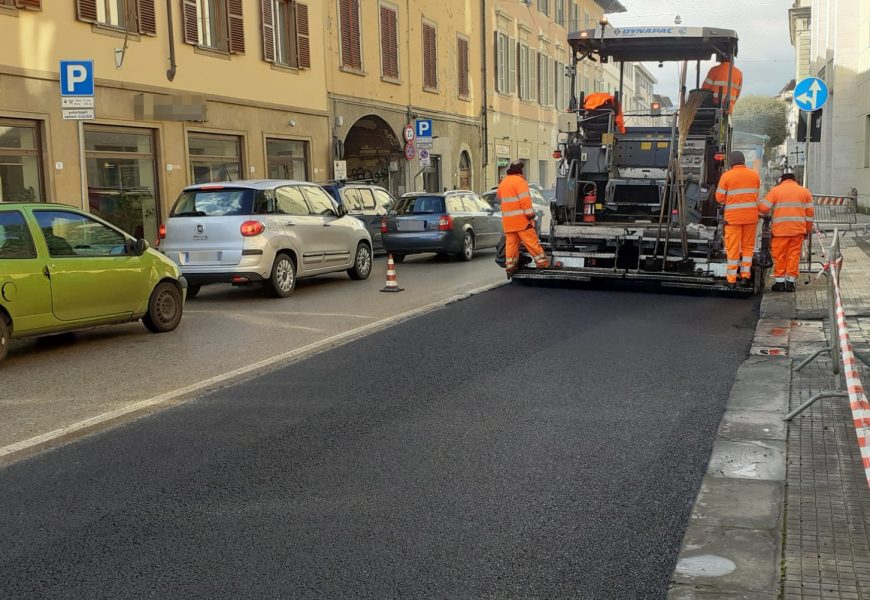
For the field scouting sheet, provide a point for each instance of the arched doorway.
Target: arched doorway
(373, 152)
(464, 171)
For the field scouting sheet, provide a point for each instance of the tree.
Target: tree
(762, 115)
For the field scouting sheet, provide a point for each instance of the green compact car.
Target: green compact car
(63, 269)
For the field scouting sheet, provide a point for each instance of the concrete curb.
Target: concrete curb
(19, 450)
(732, 548)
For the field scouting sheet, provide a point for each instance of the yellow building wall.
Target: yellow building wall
(36, 40)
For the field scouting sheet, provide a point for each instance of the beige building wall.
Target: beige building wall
(370, 108)
(242, 95)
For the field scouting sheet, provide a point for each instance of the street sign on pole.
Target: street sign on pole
(425, 158)
(410, 151)
(810, 94)
(409, 133)
(339, 168)
(77, 89)
(423, 128)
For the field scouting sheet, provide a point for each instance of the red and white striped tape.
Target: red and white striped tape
(857, 396)
(833, 200)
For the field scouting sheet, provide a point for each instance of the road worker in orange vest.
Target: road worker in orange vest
(605, 100)
(717, 82)
(790, 206)
(518, 219)
(738, 192)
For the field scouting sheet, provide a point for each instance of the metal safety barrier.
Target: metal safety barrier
(842, 358)
(837, 210)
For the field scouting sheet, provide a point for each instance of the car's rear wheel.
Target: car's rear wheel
(362, 264)
(283, 279)
(467, 252)
(4, 338)
(193, 290)
(164, 308)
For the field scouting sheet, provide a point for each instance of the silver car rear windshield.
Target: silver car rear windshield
(214, 202)
(420, 205)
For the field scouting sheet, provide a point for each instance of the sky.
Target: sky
(765, 54)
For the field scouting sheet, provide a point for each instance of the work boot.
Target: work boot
(778, 287)
(789, 286)
(510, 273)
(732, 285)
(745, 282)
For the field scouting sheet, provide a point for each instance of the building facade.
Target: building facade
(527, 81)
(830, 41)
(392, 63)
(217, 90)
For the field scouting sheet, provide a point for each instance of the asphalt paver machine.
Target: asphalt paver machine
(638, 202)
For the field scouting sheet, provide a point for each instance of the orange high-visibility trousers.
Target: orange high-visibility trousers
(786, 252)
(529, 239)
(739, 247)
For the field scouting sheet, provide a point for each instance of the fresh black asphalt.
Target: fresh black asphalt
(526, 443)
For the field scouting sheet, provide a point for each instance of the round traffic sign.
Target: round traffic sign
(410, 151)
(810, 94)
(424, 153)
(409, 133)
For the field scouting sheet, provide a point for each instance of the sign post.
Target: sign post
(810, 94)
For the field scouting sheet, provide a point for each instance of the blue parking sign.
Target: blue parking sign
(424, 128)
(76, 78)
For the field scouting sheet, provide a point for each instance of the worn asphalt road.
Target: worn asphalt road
(525, 443)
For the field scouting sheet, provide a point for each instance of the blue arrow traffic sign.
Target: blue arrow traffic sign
(810, 94)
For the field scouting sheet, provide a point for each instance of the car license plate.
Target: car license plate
(412, 225)
(186, 258)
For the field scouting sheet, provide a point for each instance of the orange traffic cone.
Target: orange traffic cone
(392, 284)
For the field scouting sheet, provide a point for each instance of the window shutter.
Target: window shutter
(499, 67)
(147, 17)
(32, 4)
(86, 10)
(190, 20)
(462, 47)
(236, 26)
(389, 43)
(303, 37)
(512, 66)
(267, 15)
(430, 57)
(533, 74)
(351, 55)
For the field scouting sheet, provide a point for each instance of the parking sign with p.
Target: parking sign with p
(424, 128)
(76, 78)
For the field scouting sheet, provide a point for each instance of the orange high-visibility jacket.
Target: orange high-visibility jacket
(738, 191)
(717, 82)
(516, 203)
(791, 208)
(599, 99)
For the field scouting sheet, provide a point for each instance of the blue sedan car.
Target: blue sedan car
(455, 222)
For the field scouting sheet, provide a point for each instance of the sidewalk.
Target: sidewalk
(784, 509)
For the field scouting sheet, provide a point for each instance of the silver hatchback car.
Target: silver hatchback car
(269, 231)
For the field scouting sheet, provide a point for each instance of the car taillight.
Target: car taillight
(445, 223)
(384, 225)
(252, 228)
(161, 232)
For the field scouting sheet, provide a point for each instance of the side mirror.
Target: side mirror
(342, 210)
(141, 246)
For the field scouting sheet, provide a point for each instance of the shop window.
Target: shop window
(20, 162)
(287, 159)
(122, 183)
(214, 157)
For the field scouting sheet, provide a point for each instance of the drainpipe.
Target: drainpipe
(484, 114)
(170, 73)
